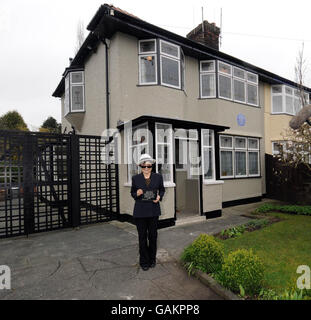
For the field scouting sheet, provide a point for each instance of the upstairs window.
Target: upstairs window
(74, 92)
(147, 62)
(224, 81)
(207, 79)
(167, 56)
(286, 99)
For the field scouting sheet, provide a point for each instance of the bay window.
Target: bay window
(169, 58)
(285, 99)
(74, 92)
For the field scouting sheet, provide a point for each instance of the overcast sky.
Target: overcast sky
(37, 37)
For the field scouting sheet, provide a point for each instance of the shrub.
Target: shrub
(293, 209)
(205, 254)
(242, 268)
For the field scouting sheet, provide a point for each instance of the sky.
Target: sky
(38, 37)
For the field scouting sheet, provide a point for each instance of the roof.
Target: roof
(109, 19)
(177, 123)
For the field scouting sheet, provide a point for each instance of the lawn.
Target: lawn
(282, 246)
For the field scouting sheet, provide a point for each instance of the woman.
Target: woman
(147, 190)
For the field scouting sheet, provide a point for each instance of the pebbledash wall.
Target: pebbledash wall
(128, 101)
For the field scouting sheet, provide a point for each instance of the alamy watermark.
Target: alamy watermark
(5, 277)
(303, 282)
(139, 140)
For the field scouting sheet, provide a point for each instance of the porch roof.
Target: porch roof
(176, 123)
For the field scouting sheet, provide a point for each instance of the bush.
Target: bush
(205, 254)
(242, 268)
(292, 209)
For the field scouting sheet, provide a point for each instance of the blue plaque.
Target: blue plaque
(241, 120)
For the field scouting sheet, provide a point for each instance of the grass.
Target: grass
(282, 246)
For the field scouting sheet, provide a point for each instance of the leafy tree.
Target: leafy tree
(12, 120)
(50, 125)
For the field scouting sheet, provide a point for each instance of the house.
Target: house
(200, 112)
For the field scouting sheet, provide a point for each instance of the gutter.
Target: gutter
(107, 84)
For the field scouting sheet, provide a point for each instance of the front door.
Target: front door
(187, 173)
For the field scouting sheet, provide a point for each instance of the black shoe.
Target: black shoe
(153, 264)
(145, 268)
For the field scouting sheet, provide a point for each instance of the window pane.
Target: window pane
(208, 85)
(224, 87)
(239, 91)
(148, 69)
(76, 77)
(288, 90)
(170, 71)
(77, 98)
(226, 163)
(139, 135)
(253, 163)
(277, 104)
(67, 98)
(252, 94)
(277, 89)
(147, 46)
(169, 49)
(224, 68)
(240, 163)
(181, 153)
(207, 137)
(289, 104)
(163, 161)
(239, 73)
(208, 163)
(297, 105)
(208, 66)
(164, 133)
(253, 144)
(252, 77)
(240, 143)
(226, 142)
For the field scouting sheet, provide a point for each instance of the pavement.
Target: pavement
(100, 261)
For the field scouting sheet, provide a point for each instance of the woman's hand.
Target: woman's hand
(139, 192)
(157, 200)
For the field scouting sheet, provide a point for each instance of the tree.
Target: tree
(12, 120)
(80, 35)
(50, 125)
(295, 149)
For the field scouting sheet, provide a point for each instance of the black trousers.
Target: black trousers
(147, 235)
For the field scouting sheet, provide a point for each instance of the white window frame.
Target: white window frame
(258, 155)
(212, 147)
(171, 57)
(147, 52)
(244, 150)
(226, 149)
(156, 69)
(220, 73)
(69, 91)
(254, 84)
(170, 146)
(130, 146)
(209, 72)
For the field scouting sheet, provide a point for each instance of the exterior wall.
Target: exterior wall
(129, 101)
(212, 196)
(93, 121)
(275, 124)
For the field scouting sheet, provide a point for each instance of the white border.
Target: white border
(147, 52)
(156, 69)
(179, 75)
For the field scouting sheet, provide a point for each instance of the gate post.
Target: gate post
(28, 184)
(74, 185)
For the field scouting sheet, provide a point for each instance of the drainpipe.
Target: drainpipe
(107, 85)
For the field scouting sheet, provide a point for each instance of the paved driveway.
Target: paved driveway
(101, 262)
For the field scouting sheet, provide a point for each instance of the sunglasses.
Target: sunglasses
(146, 167)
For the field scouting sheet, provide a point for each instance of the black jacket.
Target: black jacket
(145, 209)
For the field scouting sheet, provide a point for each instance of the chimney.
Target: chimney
(206, 34)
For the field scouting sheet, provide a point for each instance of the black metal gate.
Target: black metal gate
(50, 181)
